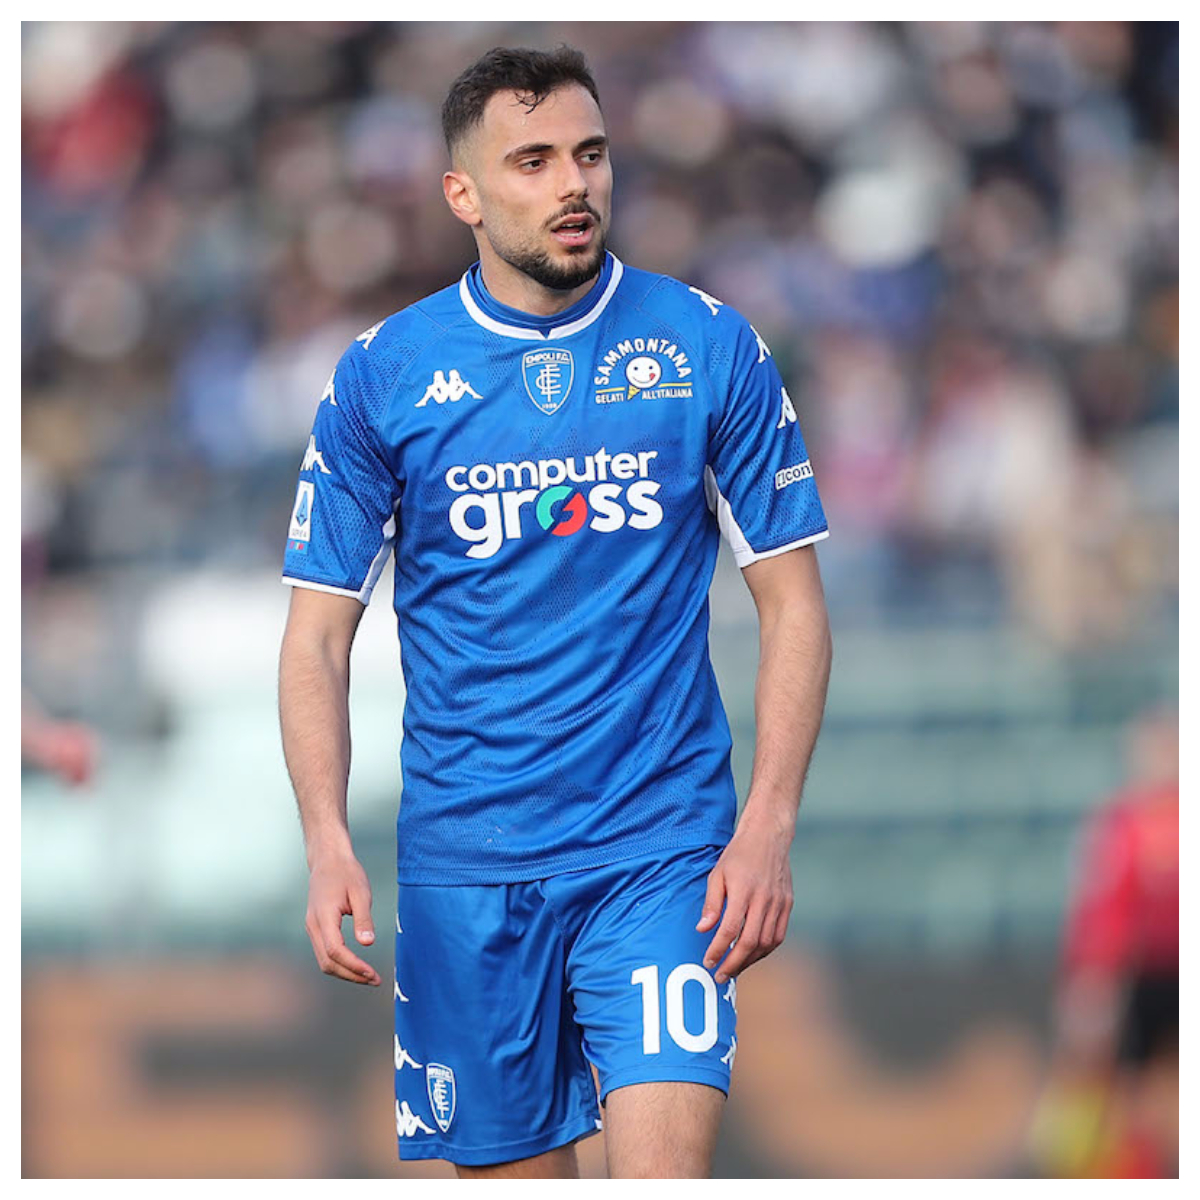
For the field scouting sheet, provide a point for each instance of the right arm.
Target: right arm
(314, 685)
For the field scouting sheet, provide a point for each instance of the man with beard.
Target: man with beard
(552, 447)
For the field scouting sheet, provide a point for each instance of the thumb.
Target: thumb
(714, 896)
(360, 907)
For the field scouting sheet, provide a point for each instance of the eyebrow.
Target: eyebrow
(597, 141)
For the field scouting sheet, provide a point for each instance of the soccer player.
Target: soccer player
(551, 447)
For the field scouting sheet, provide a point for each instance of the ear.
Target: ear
(459, 190)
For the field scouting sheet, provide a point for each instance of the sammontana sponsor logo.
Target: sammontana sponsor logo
(603, 491)
(651, 368)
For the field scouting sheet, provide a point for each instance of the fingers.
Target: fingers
(750, 931)
(360, 907)
(714, 896)
(325, 933)
(746, 947)
(727, 931)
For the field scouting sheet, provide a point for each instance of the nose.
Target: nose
(571, 181)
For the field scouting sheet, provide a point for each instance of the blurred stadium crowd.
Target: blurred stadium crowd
(959, 239)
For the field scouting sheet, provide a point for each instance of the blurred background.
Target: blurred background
(961, 243)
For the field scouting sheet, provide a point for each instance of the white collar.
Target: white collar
(536, 335)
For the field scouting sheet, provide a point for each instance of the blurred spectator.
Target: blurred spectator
(68, 749)
(959, 239)
(1112, 1106)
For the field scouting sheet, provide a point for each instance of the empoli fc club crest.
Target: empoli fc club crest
(439, 1083)
(548, 376)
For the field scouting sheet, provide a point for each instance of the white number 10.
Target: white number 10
(647, 979)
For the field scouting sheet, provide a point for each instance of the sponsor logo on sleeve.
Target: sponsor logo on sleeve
(793, 474)
(301, 526)
(443, 1097)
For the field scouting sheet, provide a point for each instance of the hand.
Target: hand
(67, 748)
(338, 886)
(753, 879)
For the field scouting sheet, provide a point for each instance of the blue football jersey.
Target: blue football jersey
(554, 490)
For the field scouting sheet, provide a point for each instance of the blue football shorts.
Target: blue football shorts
(505, 993)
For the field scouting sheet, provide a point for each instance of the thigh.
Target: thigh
(554, 1164)
(489, 1067)
(649, 1010)
(662, 1130)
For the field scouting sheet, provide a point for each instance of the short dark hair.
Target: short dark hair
(533, 74)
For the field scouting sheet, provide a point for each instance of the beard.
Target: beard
(583, 265)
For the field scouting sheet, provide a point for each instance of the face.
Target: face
(536, 183)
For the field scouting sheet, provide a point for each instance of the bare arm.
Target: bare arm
(314, 685)
(753, 877)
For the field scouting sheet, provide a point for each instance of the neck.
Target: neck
(514, 288)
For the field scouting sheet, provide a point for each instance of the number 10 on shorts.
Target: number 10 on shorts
(647, 979)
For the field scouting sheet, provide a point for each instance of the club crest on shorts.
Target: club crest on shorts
(439, 1083)
(548, 375)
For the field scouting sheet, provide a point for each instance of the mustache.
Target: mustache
(576, 211)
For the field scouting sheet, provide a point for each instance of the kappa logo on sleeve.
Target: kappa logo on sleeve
(328, 393)
(787, 412)
(710, 302)
(764, 351)
(314, 458)
(368, 335)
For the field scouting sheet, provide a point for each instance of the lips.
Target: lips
(575, 229)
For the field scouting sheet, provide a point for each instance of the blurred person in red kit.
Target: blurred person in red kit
(1112, 1107)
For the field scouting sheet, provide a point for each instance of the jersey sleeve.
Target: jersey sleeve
(347, 505)
(759, 481)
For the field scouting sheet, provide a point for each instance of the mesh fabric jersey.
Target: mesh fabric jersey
(553, 490)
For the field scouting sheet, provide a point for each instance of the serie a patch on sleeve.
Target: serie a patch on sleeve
(300, 529)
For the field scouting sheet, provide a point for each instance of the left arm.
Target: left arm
(753, 877)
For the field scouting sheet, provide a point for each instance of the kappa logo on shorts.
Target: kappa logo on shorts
(402, 1056)
(728, 1056)
(443, 1096)
(407, 1121)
